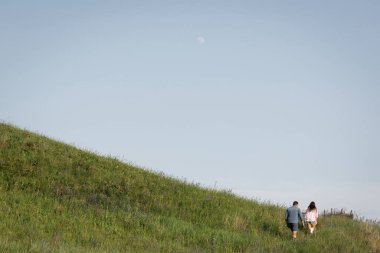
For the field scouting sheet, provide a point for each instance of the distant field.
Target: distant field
(57, 198)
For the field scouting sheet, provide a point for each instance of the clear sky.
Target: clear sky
(275, 100)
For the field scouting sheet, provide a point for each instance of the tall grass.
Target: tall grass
(57, 198)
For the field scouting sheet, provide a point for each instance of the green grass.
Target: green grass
(57, 198)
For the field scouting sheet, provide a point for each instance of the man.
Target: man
(292, 215)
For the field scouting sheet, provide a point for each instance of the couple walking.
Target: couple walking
(293, 215)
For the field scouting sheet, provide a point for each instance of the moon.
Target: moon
(201, 40)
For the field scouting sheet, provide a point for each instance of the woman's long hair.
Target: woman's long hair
(312, 206)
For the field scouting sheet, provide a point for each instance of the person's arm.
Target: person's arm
(316, 213)
(286, 215)
(300, 216)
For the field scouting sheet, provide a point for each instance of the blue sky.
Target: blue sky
(278, 101)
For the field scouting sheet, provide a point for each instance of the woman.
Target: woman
(311, 216)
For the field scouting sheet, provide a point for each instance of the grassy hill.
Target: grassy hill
(57, 198)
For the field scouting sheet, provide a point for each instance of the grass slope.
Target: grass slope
(57, 198)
